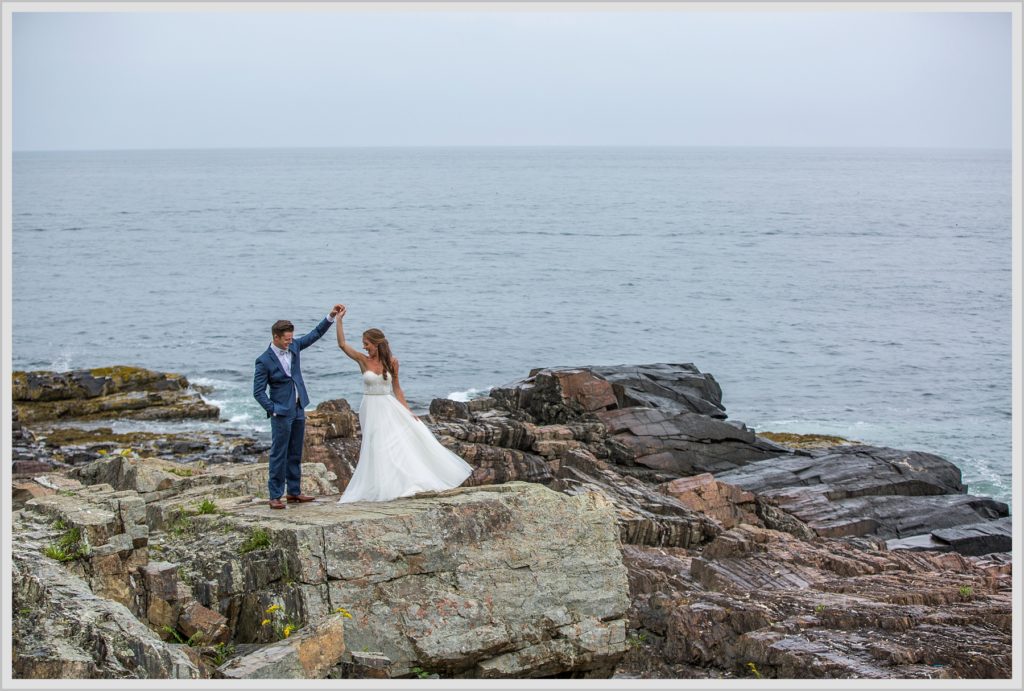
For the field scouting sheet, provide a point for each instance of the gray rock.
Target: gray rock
(975, 539)
(645, 516)
(674, 387)
(445, 408)
(63, 630)
(865, 490)
(445, 582)
(684, 443)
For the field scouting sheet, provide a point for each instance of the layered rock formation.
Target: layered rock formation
(617, 524)
(104, 393)
(512, 580)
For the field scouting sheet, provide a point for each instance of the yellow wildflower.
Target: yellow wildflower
(273, 608)
(343, 612)
(102, 452)
(264, 622)
(288, 630)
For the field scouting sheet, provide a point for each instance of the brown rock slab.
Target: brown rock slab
(212, 626)
(309, 653)
(727, 504)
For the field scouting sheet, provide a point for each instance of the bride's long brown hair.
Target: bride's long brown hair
(377, 338)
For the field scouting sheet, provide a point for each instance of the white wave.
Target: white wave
(207, 381)
(214, 401)
(467, 395)
(62, 363)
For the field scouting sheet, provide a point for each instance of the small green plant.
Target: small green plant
(70, 538)
(221, 652)
(183, 472)
(182, 524)
(56, 553)
(966, 592)
(65, 493)
(59, 524)
(637, 640)
(68, 547)
(192, 641)
(207, 506)
(258, 539)
(819, 609)
(753, 669)
(420, 672)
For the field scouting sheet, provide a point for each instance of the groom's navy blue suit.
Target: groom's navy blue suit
(284, 407)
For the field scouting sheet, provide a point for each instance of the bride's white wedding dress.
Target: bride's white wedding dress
(399, 455)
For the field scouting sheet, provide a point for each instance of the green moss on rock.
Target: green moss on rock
(805, 441)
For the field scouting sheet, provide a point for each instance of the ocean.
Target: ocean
(864, 293)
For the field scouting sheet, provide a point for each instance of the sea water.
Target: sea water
(858, 292)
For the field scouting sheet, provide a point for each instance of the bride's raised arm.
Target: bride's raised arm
(340, 332)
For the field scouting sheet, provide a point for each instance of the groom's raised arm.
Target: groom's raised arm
(314, 335)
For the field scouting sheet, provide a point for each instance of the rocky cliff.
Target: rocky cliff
(617, 524)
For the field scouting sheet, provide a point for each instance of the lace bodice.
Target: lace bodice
(375, 385)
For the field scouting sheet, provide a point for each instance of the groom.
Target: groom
(279, 368)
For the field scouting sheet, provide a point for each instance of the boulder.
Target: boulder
(681, 444)
(560, 394)
(469, 582)
(645, 516)
(108, 392)
(975, 539)
(309, 653)
(865, 490)
(210, 627)
(332, 438)
(26, 490)
(62, 630)
(557, 395)
(727, 504)
(447, 409)
(666, 386)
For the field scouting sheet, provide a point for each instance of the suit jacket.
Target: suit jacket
(282, 387)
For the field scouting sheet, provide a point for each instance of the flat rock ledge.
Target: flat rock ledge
(503, 581)
(106, 393)
(513, 580)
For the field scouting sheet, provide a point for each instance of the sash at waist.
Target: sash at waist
(374, 393)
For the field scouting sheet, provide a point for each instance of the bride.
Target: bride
(398, 456)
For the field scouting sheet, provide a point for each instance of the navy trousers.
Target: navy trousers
(286, 435)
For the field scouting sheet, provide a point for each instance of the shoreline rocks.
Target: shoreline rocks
(617, 525)
(105, 393)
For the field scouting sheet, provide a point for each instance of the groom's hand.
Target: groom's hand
(335, 310)
(339, 311)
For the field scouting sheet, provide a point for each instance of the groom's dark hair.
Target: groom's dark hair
(281, 327)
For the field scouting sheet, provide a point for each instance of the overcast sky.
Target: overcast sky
(368, 78)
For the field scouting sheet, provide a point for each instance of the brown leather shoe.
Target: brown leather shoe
(277, 504)
(297, 498)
